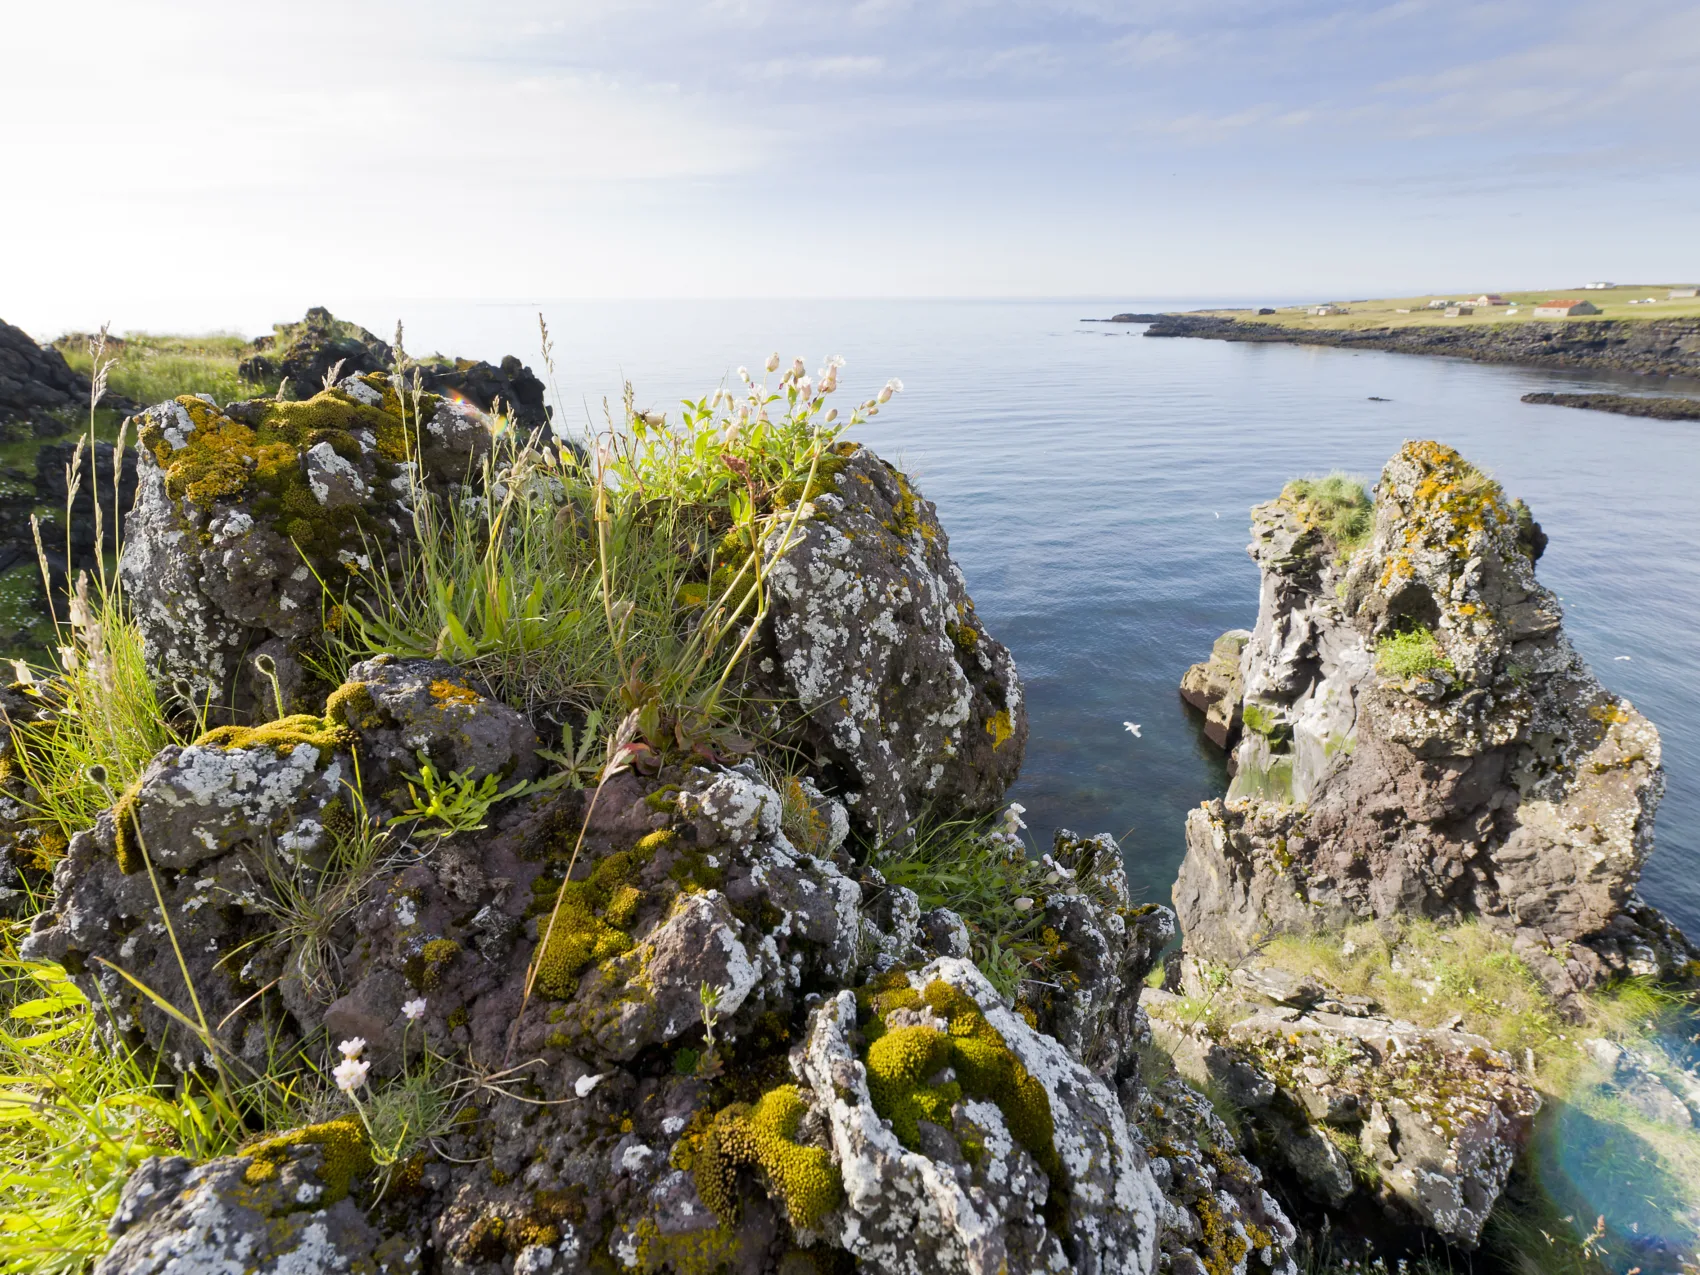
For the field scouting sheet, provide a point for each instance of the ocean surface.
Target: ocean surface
(1095, 488)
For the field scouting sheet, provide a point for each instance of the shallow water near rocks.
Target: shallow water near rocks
(1095, 487)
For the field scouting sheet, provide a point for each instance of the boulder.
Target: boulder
(1359, 1107)
(910, 704)
(1215, 689)
(303, 354)
(1421, 739)
(252, 521)
(977, 1185)
(285, 1208)
(38, 389)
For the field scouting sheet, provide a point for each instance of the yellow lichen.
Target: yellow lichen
(1000, 727)
(448, 692)
(764, 1136)
(425, 971)
(344, 1155)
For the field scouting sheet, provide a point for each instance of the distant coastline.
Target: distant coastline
(1650, 347)
(1662, 408)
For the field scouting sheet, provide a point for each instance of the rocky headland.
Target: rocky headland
(1653, 347)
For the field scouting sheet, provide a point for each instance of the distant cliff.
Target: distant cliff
(1661, 347)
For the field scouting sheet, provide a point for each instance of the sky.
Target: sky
(200, 153)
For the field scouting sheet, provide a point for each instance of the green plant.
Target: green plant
(1413, 652)
(979, 869)
(150, 368)
(457, 802)
(307, 900)
(79, 1115)
(1338, 504)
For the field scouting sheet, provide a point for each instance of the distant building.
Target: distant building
(1438, 304)
(1326, 309)
(1489, 298)
(1597, 287)
(1677, 293)
(1453, 311)
(1563, 308)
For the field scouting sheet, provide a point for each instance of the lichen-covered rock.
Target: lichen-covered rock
(1217, 1216)
(1021, 1158)
(909, 702)
(251, 521)
(1421, 739)
(1355, 1105)
(287, 1213)
(1214, 688)
(246, 834)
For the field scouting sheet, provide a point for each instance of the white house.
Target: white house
(1489, 298)
(1453, 311)
(1678, 293)
(1326, 309)
(1563, 308)
(1597, 287)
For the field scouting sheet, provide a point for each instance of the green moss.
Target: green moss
(584, 931)
(688, 1253)
(352, 705)
(425, 970)
(1265, 721)
(129, 846)
(282, 736)
(764, 1136)
(902, 1061)
(344, 1156)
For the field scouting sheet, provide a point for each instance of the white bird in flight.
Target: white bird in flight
(1623, 657)
(1132, 728)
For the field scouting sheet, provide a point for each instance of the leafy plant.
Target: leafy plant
(458, 803)
(1413, 652)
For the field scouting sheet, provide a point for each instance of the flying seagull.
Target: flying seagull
(1132, 728)
(1623, 657)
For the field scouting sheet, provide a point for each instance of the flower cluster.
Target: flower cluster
(350, 1073)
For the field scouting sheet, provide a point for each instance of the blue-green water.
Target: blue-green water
(1095, 485)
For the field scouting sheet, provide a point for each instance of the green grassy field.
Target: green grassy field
(1613, 303)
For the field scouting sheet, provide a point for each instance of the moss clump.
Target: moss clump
(901, 1063)
(425, 970)
(344, 1156)
(282, 736)
(1337, 505)
(1412, 653)
(352, 705)
(764, 1136)
(129, 842)
(1262, 720)
(586, 919)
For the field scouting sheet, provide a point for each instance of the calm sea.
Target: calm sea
(1095, 487)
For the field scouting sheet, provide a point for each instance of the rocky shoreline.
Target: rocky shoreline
(659, 1000)
(1663, 409)
(1654, 347)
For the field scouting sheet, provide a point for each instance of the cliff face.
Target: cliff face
(1421, 739)
(1666, 347)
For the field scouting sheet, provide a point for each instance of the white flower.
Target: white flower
(654, 418)
(1024, 904)
(350, 1074)
(352, 1048)
(889, 388)
(831, 415)
(773, 362)
(413, 1010)
(797, 368)
(744, 375)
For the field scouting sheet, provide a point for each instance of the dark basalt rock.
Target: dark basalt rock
(36, 384)
(304, 353)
